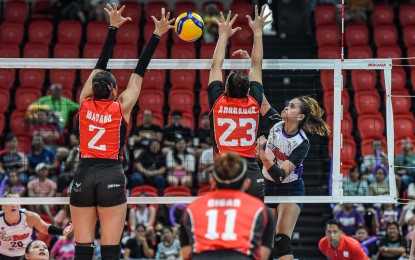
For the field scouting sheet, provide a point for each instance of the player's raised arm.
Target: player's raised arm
(257, 54)
(225, 32)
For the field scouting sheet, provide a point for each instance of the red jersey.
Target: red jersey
(102, 129)
(349, 249)
(235, 124)
(227, 220)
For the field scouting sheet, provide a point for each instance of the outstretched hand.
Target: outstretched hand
(68, 229)
(116, 19)
(164, 24)
(243, 53)
(260, 20)
(225, 26)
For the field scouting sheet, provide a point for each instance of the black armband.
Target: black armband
(54, 230)
(107, 49)
(146, 55)
(273, 115)
(276, 173)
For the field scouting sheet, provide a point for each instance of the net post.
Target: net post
(390, 133)
(337, 175)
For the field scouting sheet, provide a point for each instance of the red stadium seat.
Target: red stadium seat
(160, 53)
(65, 77)
(244, 36)
(404, 125)
(235, 47)
(92, 51)
(9, 50)
(132, 10)
(25, 142)
(348, 151)
(327, 79)
(382, 14)
(203, 190)
(125, 51)
(18, 123)
(407, 14)
(398, 78)
(385, 35)
(154, 9)
(206, 51)
(129, 34)
(219, 4)
(184, 6)
(409, 36)
(184, 79)
(411, 53)
(390, 52)
(4, 97)
(177, 191)
(122, 77)
(180, 99)
(147, 189)
(242, 8)
(366, 147)
(40, 31)
(204, 79)
(157, 119)
(11, 33)
(367, 102)
(96, 31)
(357, 34)
(2, 122)
(25, 96)
(84, 75)
(371, 126)
(204, 102)
(327, 35)
(360, 52)
(7, 78)
(36, 50)
(328, 101)
(413, 79)
(33, 77)
(183, 52)
(66, 51)
(347, 123)
(148, 32)
(70, 32)
(40, 8)
(15, 11)
(364, 80)
(325, 14)
(188, 119)
(151, 99)
(154, 79)
(401, 101)
(329, 52)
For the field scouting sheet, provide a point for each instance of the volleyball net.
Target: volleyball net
(351, 91)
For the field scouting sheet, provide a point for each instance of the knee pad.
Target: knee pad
(110, 252)
(84, 251)
(282, 244)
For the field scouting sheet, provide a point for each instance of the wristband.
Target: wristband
(276, 173)
(54, 230)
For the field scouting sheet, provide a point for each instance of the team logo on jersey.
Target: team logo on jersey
(110, 186)
(279, 154)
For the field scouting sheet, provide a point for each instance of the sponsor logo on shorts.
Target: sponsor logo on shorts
(260, 180)
(77, 187)
(110, 186)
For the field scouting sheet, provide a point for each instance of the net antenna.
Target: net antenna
(268, 64)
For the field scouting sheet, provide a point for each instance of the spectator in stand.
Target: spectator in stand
(350, 218)
(393, 245)
(64, 248)
(12, 182)
(96, 8)
(40, 154)
(176, 130)
(362, 235)
(370, 161)
(181, 165)
(169, 247)
(205, 162)
(387, 213)
(338, 246)
(142, 134)
(150, 168)
(13, 160)
(42, 187)
(404, 160)
(380, 186)
(203, 133)
(353, 185)
(143, 214)
(356, 10)
(211, 33)
(62, 106)
(139, 246)
(42, 127)
(63, 217)
(408, 218)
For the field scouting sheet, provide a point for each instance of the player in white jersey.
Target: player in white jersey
(16, 228)
(282, 156)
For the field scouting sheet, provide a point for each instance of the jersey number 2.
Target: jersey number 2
(97, 136)
(229, 233)
(232, 126)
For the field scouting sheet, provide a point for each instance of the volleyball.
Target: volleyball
(189, 26)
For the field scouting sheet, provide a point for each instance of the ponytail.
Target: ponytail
(313, 122)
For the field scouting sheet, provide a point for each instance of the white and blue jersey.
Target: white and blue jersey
(14, 237)
(281, 147)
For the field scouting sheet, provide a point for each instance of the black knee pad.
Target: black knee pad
(112, 252)
(282, 244)
(84, 251)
